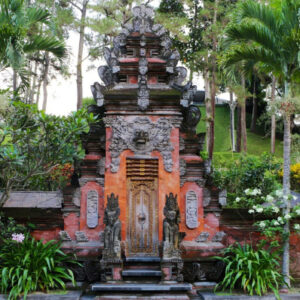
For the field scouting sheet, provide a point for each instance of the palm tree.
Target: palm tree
(17, 24)
(270, 37)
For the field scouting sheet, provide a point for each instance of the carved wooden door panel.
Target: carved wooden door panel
(142, 233)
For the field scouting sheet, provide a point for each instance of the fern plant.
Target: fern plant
(253, 270)
(30, 265)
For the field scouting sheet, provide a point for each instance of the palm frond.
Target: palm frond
(46, 43)
(252, 32)
(263, 14)
(239, 53)
(37, 15)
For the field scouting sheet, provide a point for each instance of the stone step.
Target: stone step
(169, 296)
(142, 266)
(143, 259)
(140, 287)
(141, 272)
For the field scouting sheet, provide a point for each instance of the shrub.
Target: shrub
(8, 226)
(295, 177)
(247, 172)
(27, 265)
(253, 270)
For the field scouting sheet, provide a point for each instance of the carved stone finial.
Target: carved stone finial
(97, 91)
(112, 231)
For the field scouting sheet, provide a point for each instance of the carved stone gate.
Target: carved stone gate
(142, 214)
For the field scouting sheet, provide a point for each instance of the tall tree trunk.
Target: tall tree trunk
(45, 81)
(286, 191)
(273, 118)
(254, 109)
(38, 93)
(33, 87)
(80, 54)
(239, 129)
(207, 108)
(232, 105)
(15, 81)
(243, 119)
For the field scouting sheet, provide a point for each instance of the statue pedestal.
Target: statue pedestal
(114, 266)
(170, 265)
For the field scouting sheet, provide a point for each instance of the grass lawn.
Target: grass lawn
(256, 143)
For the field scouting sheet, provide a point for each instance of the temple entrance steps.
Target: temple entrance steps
(141, 279)
(146, 269)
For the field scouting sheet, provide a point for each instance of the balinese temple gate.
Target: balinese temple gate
(144, 195)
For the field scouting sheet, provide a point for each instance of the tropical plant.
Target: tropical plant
(246, 172)
(253, 270)
(8, 226)
(33, 143)
(269, 36)
(17, 20)
(27, 265)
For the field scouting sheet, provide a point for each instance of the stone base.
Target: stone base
(143, 297)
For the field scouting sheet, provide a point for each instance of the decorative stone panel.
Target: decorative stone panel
(191, 209)
(92, 209)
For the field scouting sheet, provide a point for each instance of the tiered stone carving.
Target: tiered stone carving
(140, 136)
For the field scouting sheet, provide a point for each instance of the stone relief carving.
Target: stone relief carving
(101, 166)
(76, 197)
(84, 180)
(92, 208)
(81, 237)
(64, 236)
(206, 197)
(202, 237)
(182, 167)
(192, 116)
(219, 236)
(191, 209)
(140, 136)
(97, 91)
(223, 197)
(112, 231)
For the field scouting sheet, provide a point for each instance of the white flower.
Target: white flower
(275, 223)
(237, 199)
(297, 226)
(279, 193)
(256, 192)
(275, 209)
(18, 237)
(262, 224)
(298, 211)
(250, 211)
(287, 216)
(269, 198)
(280, 220)
(294, 197)
(248, 192)
(259, 209)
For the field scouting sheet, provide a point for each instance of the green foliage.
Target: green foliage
(253, 270)
(17, 24)
(8, 226)
(33, 143)
(246, 172)
(31, 265)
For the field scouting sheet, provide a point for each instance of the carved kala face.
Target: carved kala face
(141, 137)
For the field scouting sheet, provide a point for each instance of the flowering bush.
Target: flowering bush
(270, 206)
(247, 172)
(27, 265)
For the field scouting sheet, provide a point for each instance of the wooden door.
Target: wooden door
(142, 216)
